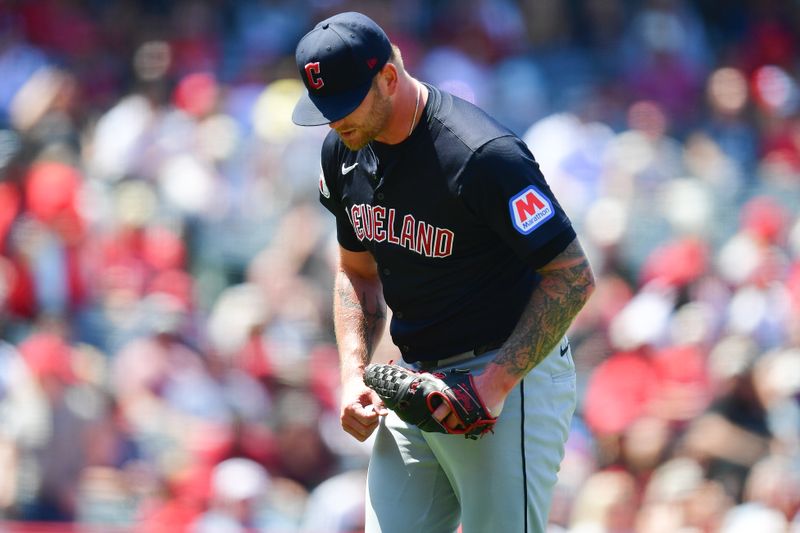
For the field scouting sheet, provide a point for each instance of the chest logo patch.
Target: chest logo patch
(323, 186)
(530, 209)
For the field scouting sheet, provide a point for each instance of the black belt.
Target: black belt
(475, 352)
(488, 347)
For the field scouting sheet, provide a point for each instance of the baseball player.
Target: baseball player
(443, 215)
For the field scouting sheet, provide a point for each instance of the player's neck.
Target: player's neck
(407, 113)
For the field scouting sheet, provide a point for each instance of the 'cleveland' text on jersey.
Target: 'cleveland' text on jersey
(379, 224)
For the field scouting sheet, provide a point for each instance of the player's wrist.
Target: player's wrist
(352, 367)
(497, 380)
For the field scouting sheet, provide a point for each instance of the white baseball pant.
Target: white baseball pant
(432, 482)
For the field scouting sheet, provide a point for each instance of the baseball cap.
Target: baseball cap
(337, 61)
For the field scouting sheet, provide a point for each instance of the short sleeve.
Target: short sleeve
(330, 196)
(504, 187)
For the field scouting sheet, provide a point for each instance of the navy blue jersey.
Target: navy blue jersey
(458, 217)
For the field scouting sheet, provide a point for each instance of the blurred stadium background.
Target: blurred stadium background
(167, 361)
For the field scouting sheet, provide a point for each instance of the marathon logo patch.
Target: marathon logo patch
(530, 209)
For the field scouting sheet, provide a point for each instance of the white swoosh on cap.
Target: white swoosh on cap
(345, 169)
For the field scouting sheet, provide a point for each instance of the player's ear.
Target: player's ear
(389, 77)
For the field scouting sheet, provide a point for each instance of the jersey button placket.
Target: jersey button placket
(387, 272)
(379, 196)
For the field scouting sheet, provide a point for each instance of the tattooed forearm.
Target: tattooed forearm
(360, 315)
(566, 284)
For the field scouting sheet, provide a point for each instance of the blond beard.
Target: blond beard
(377, 118)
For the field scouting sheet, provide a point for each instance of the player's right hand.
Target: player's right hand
(361, 410)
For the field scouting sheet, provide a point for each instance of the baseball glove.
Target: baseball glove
(414, 396)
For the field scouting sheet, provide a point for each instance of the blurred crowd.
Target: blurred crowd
(167, 361)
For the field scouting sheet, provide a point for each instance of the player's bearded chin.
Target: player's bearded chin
(356, 136)
(352, 136)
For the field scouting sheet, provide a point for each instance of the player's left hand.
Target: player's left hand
(414, 396)
(492, 396)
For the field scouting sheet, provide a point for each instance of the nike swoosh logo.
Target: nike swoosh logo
(564, 348)
(345, 169)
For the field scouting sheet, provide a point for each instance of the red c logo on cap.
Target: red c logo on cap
(312, 73)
